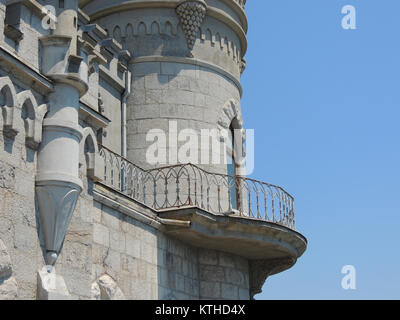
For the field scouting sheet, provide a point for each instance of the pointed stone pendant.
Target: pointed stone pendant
(191, 14)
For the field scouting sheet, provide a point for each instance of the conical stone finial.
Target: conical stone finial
(191, 14)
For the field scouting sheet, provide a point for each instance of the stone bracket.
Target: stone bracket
(260, 270)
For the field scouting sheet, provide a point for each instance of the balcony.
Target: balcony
(183, 186)
(243, 216)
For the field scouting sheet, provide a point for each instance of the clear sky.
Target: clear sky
(325, 106)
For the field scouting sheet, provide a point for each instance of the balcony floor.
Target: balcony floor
(250, 238)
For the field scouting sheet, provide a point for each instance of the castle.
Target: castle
(84, 214)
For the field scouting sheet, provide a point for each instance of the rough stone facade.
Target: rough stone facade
(106, 74)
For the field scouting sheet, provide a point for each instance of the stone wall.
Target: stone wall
(223, 276)
(146, 264)
(18, 220)
(106, 253)
(191, 95)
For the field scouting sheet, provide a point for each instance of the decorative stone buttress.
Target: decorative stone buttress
(57, 181)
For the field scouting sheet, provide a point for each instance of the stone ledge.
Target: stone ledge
(250, 238)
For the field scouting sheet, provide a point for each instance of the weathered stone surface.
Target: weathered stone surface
(8, 289)
(25, 237)
(7, 176)
(229, 291)
(226, 260)
(51, 286)
(101, 235)
(211, 273)
(96, 294)
(112, 260)
(5, 262)
(208, 257)
(234, 276)
(109, 290)
(210, 290)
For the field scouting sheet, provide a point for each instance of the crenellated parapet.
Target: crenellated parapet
(213, 31)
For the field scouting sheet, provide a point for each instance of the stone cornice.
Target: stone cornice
(195, 62)
(90, 115)
(19, 65)
(211, 12)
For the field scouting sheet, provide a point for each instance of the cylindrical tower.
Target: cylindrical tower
(186, 67)
(57, 180)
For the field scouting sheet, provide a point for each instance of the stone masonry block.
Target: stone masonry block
(101, 235)
(229, 291)
(25, 238)
(209, 257)
(7, 176)
(133, 246)
(156, 81)
(210, 290)
(5, 262)
(145, 68)
(211, 273)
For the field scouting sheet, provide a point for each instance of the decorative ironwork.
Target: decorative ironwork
(187, 185)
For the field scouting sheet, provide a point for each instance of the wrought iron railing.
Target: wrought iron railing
(188, 185)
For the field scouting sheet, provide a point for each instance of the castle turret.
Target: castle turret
(186, 67)
(186, 61)
(57, 181)
(122, 159)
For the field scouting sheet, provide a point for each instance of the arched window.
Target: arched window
(232, 162)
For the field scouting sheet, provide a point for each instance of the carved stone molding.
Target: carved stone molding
(260, 270)
(243, 64)
(230, 111)
(89, 153)
(191, 14)
(25, 106)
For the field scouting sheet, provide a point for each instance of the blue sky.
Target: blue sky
(325, 106)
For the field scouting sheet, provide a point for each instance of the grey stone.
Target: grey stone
(211, 273)
(95, 291)
(51, 286)
(210, 290)
(133, 247)
(8, 289)
(234, 276)
(109, 290)
(229, 291)
(208, 257)
(7, 176)
(101, 235)
(5, 262)
(112, 260)
(226, 260)
(25, 238)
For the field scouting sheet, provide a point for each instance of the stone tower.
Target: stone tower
(186, 66)
(89, 185)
